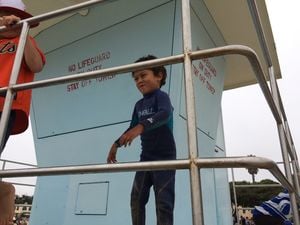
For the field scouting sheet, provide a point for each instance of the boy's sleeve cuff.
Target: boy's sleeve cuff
(117, 143)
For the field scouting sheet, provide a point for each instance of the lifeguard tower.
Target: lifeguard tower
(82, 101)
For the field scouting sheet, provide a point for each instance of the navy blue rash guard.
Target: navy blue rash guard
(155, 112)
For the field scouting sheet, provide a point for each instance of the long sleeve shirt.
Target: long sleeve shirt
(155, 112)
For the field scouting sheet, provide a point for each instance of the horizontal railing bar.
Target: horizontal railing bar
(102, 168)
(246, 162)
(257, 185)
(220, 51)
(21, 184)
(226, 162)
(97, 73)
(18, 163)
(20, 205)
(59, 12)
(245, 208)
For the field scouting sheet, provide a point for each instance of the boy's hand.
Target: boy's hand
(111, 158)
(9, 21)
(128, 137)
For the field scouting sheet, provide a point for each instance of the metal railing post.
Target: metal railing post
(3, 167)
(285, 147)
(259, 29)
(295, 163)
(196, 198)
(235, 198)
(13, 80)
(288, 172)
(285, 142)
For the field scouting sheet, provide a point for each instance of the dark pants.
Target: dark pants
(10, 125)
(164, 190)
(267, 220)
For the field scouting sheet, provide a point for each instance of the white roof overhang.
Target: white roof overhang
(234, 21)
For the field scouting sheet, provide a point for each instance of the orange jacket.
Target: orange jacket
(21, 103)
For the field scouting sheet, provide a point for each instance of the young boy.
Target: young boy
(152, 119)
(11, 12)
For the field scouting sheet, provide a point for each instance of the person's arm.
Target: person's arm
(32, 56)
(130, 135)
(123, 139)
(112, 154)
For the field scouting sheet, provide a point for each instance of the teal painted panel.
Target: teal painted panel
(50, 200)
(84, 147)
(78, 126)
(224, 211)
(200, 10)
(65, 126)
(99, 17)
(85, 202)
(223, 202)
(118, 201)
(99, 102)
(209, 196)
(208, 78)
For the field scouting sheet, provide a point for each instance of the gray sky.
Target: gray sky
(248, 122)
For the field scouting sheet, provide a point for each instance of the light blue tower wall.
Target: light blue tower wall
(76, 123)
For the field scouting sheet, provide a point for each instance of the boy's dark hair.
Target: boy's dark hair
(156, 70)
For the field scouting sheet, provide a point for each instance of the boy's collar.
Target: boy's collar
(151, 93)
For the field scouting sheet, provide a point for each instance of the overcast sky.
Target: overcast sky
(248, 122)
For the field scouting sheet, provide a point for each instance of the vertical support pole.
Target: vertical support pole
(285, 141)
(295, 164)
(13, 80)
(287, 168)
(235, 198)
(296, 176)
(3, 167)
(259, 29)
(284, 150)
(196, 198)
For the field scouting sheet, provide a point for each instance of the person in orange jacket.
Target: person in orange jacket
(11, 12)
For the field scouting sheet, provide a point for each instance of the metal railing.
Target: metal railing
(4, 165)
(287, 146)
(251, 185)
(193, 164)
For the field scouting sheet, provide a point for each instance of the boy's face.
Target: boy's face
(146, 81)
(11, 32)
